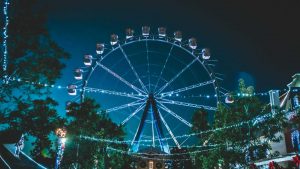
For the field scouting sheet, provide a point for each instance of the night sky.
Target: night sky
(254, 40)
(259, 38)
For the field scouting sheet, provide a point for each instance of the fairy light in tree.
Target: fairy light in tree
(5, 36)
(260, 119)
(61, 134)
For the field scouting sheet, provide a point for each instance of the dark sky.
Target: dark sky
(256, 40)
(259, 38)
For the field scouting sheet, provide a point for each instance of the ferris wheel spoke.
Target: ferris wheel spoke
(138, 102)
(139, 91)
(187, 88)
(174, 114)
(168, 101)
(133, 113)
(177, 75)
(148, 69)
(116, 93)
(133, 70)
(169, 130)
(162, 70)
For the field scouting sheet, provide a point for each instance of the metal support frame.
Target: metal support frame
(157, 125)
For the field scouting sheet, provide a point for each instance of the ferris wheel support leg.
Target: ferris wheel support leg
(137, 136)
(157, 123)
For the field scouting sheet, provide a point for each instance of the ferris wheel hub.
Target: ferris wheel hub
(150, 96)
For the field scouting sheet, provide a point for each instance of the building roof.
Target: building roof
(296, 81)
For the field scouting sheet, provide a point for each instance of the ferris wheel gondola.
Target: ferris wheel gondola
(162, 32)
(114, 39)
(178, 36)
(78, 74)
(99, 48)
(129, 33)
(205, 53)
(87, 60)
(72, 90)
(145, 31)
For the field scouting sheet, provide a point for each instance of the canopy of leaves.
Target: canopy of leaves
(253, 126)
(88, 120)
(37, 118)
(34, 58)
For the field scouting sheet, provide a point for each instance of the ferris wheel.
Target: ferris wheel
(151, 84)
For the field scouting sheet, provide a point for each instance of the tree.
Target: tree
(33, 65)
(37, 118)
(247, 140)
(87, 121)
(200, 121)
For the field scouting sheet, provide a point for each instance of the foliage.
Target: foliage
(200, 121)
(241, 144)
(37, 118)
(85, 120)
(33, 56)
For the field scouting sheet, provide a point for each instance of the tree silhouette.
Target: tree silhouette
(88, 120)
(37, 118)
(243, 143)
(34, 64)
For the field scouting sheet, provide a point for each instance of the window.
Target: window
(151, 164)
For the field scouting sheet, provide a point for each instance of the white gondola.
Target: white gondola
(99, 48)
(229, 98)
(145, 31)
(78, 74)
(72, 90)
(87, 60)
(178, 36)
(205, 53)
(162, 32)
(192, 43)
(129, 33)
(113, 39)
(68, 104)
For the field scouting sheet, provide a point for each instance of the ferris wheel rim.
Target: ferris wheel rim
(141, 38)
(152, 38)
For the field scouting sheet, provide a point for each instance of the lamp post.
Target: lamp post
(61, 134)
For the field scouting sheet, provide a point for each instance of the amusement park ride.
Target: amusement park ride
(166, 78)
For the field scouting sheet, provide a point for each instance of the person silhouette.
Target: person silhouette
(19, 146)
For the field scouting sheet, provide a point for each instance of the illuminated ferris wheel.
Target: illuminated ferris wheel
(151, 84)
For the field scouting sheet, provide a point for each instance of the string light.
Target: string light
(19, 80)
(255, 121)
(141, 144)
(161, 156)
(171, 156)
(5, 36)
(237, 95)
(174, 157)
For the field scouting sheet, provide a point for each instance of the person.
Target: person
(19, 146)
